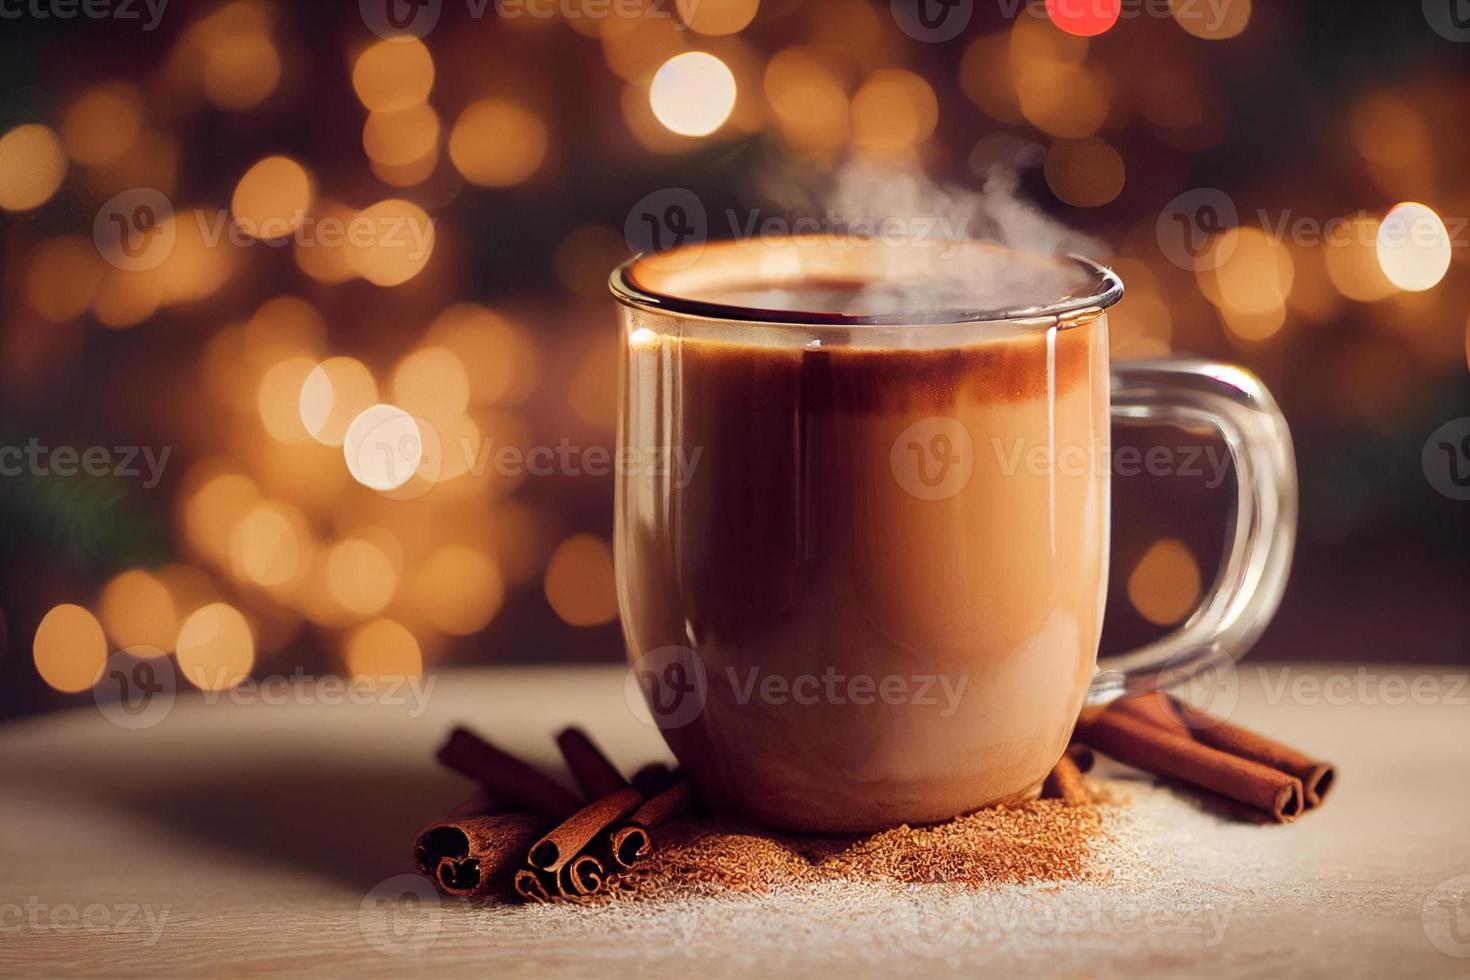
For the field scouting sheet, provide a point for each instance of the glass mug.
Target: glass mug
(862, 530)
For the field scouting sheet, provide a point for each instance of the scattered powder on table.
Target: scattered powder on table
(1044, 840)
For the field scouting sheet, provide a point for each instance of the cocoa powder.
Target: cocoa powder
(1044, 840)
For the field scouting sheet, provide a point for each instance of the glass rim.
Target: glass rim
(1106, 289)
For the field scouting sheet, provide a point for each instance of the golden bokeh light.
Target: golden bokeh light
(189, 588)
(497, 143)
(1394, 139)
(1064, 99)
(334, 393)
(1206, 21)
(1247, 271)
(138, 613)
(987, 80)
(70, 649)
(692, 93)
(215, 647)
(383, 650)
(1087, 173)
(401, 137)
(635, 47)
(64, 276)
(807, 97)
(431, 383)
(393, 74)
(201, 259)
(458, 589)
(1351, 252)
(323, 255)
(393, 241)
(384, 447)
(1165, 584)
(408, 174)
(717, 16)
(270, 545)
(579, 581)
(360, 575)
(32, 167)
(1413, 247)
(126, 299)
(241, 72)
(272, 198)
(103, 124)
(892, 112)
(212, 510)
(278, 399)
(502, 362)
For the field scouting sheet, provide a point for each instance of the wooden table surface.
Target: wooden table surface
(235, 839)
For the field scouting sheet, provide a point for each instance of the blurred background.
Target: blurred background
(204, 209)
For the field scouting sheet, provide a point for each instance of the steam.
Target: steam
(931, 269)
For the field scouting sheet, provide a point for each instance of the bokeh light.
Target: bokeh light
(361, 576)
(458, 589)
(393, 74)
(431, 383)
(393, 241)
(272, 198)
(692, 93)
(383, 447)
(893, 111)
(215, 647)
(334, 393)
(579, 581)
(32, 167)
(383, 650)
(717, 16)
(138, 613)
(1413, 247)
(70, 649)
(1165, 584)
(497, 143)
(1206, 21)
(1087, 173)
(103, 124)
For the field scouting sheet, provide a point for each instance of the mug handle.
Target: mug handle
(1232, 401)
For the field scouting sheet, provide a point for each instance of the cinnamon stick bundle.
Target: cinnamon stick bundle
(1166, 711)
(510, 780)
(571, 836)
(632, 842)
(1120, 733)
(476, 856)
(595, 775)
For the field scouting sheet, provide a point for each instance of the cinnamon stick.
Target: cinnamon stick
(1169, 712)
(580, 878)
(1158, 750)
(530, 887)
(509, 779)
(1064, 783)
(595, 775)
(475, 856)
(568, 839)
(632, 843)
